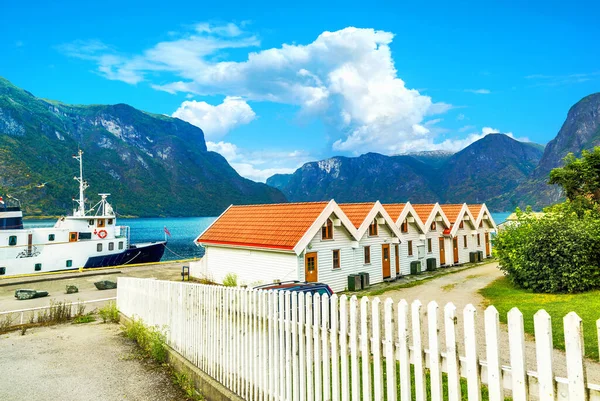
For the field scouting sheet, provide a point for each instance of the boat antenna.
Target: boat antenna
(83, 185)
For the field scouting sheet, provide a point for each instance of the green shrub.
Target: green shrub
(557, 252)
(109, 313)
(150, 339)
(230, 280)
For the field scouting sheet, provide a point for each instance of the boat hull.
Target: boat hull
(141, 253)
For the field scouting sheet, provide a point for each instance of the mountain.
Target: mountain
(434, 158)
(485, 169)
(152, 165)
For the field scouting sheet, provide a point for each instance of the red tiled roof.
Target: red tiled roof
(278, 226)
(394, 210)
(357, 212)
(451, 212)
(423, 211)
(475, 210)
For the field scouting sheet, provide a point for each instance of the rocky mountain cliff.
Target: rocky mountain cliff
(152, 165)
(486, 169)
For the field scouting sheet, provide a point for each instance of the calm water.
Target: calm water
(183, 232)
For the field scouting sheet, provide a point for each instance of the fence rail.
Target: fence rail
(290, 346)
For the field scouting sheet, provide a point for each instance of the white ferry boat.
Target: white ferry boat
(88, 238)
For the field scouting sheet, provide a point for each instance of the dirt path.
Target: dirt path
(462, 289)
(78, 362)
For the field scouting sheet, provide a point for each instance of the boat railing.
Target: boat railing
(124, 232)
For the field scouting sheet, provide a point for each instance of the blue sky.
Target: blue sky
(275, 86)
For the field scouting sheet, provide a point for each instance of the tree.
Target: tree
(579, 177)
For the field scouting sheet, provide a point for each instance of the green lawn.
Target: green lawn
(504, 296)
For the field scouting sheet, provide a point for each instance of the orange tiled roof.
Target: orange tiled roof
(475, 210)
(423, 211)
(451, 212)
(357, 212)
(278, 226)
(394, 210)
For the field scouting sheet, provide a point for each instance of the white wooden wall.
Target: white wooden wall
(413, 235)
(284, 346)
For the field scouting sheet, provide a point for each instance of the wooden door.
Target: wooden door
(455, 246)
(487, 244)
(397, 254)
(442, 251)
(311, 267)
(385, 260)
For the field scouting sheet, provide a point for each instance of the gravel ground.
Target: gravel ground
(78, 362)
(462, 289)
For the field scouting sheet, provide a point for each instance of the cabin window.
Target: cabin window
(91, 222)
(85, 235)
(99, 247)
(478, 239)
(336, 258)
(462, 224)
(410, 250)
(465, 240)
(50, 237)
(100, 222)
(110, 221)
(404, 226)
(2, 271)
(433, 226)
(367, 255)
(373, 228)
(429, 247)
(327, 230)
(120, 244)
(12, 240)
(111, 246)
(69, 263)
(38, 267)
(73, 237)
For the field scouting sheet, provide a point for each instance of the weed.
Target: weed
(230, 280)
(150, 339)
(6, 322)
(187, 385)
(84, 319)
(109, 313)
(23, 330)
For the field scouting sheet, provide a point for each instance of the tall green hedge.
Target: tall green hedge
(557, 252)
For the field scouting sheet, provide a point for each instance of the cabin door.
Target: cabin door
(311, 268)
(455, 246)
(442, 251)
(397, 255)
(385, 260)
(29, 244)
(487, 244)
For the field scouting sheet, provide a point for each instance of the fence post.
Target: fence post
(325, 322)
(518, 365)
(492, 337)
(317, 346)
(403, 352)
(309, 348)
(335, 359)
(354, 348)
(435, 366)
(452, 359)
(473, 369)
(574, 350)
(302, 344)
(543, 352)
(344, 347)
(418, 351)
(288, 345)
(376, 349)
(294, 353)
(364, 347)
(390, 360)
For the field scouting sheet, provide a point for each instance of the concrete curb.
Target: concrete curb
(53, 278)
(211, 389)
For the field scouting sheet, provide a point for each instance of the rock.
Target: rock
(71, 289)
(29, 294)
(105, 285)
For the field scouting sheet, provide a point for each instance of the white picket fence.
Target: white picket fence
(290, 346)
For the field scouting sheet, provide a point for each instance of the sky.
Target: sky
(274, 86)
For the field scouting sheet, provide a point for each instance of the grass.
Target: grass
(449, 287)
(84, 319)
(504, 296)
(109, 313)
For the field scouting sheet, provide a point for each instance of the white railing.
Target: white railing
(35, 311)
(290, 346)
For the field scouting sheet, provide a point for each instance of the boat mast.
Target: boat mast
(82, 186)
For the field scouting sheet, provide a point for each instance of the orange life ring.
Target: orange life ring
(102, 234)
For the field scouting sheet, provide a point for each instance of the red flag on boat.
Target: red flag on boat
(167, 231)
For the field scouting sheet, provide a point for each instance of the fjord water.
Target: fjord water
(183, 232)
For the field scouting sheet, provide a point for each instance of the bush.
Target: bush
(109, 313)
(230, 280)
(557, 252)
(150, 339)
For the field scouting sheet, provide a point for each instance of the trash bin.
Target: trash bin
(364, 276)
(415, 267)
(431, 264)
(354, 282)
(473, 256)
(480, 255)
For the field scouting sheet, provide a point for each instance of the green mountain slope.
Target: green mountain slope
(152, 165)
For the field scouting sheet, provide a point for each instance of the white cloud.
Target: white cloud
(460, 117)
(479, 91)
(216, 121)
